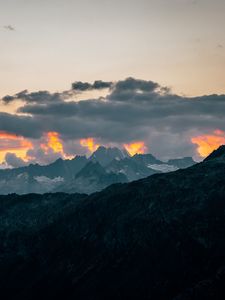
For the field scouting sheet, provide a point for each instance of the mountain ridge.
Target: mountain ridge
(160, 238)
(217, 154)
(105, 155)
(60, 175)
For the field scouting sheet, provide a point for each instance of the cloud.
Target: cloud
(9, 27)
(220, 46)
(3, 166)
(10, 142)
(14, 161)
(40, 156)
(99, 84)
(136, 90)
(44, 97)
(35, 97)
(81, 86)
(86, 86)
(132, 84)
(29, 127)
(133, 110)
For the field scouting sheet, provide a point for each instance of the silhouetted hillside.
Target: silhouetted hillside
(158, 238)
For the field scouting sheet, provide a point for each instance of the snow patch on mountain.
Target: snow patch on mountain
(44, 179)
(164, 168)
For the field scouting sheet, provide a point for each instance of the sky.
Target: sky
(168, 56)
(179, 43)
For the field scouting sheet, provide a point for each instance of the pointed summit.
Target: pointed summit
(146, 159)
(105, 155)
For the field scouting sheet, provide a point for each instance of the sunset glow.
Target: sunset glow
(207, 143)
(14, 144)
(136, 148)
(90, 144)
(53, 142)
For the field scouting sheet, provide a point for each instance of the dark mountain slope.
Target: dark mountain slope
(64, 168)
(131, 168)
(182, 163)
(93, 177)
(218, 154)
(157, 238)
(146, 159)
(40, 179)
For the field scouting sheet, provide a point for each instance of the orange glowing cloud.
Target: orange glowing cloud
(53, 142)
(15, 144)
(89, 143)
(137, 147)
(208, 143)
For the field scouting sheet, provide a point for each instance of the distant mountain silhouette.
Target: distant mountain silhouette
(182, 163)
(40, 179)
(92, 178)
(159, 238)
(146, 159)
(133, 169)
(105, 155)
(64, 168)
(61, 175)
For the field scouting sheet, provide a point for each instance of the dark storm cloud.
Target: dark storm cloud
(60, 109)
(29, 127)
(132, 84)
(43, 97)
(39, 155)
(81, 86)
(86, 86)
(99, 84)
(14, 161)
(136, 108)
(132, 89)
(35, 97)
(133, 110)
(7, 99)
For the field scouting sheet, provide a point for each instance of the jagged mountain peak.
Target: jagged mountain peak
(218, 154)
(105, 155)
(75, 158)
(104, 149)
(146, 158)
(98, 167)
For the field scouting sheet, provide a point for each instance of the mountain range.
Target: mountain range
(158, 238)
(86, 175)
